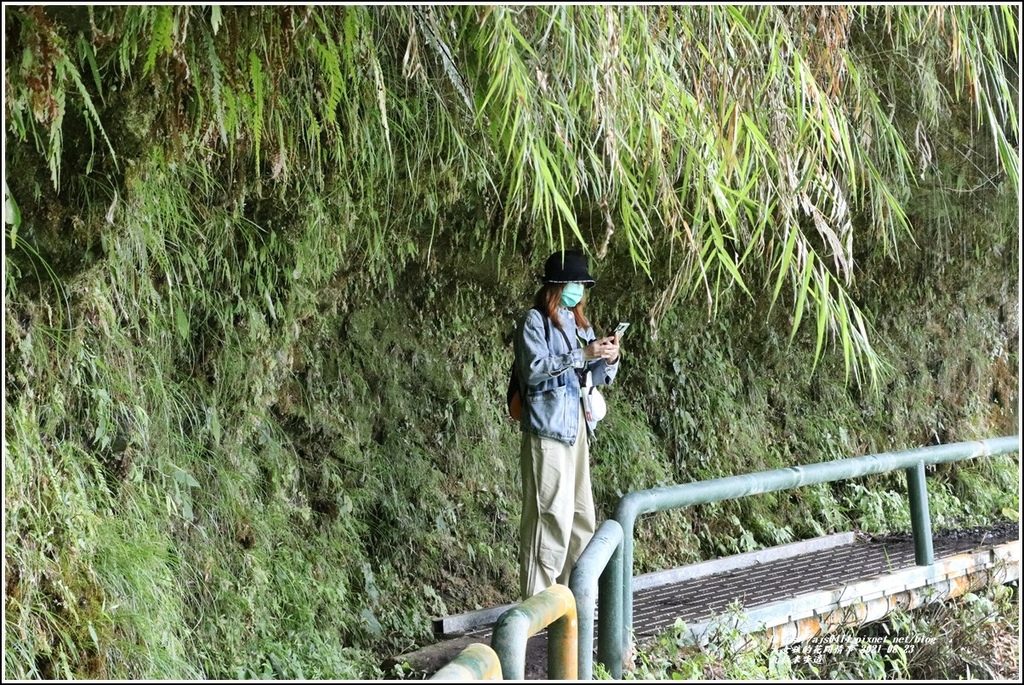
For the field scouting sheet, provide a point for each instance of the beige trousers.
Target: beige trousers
(558, 509)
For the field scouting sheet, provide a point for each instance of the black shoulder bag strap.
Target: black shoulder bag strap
(547, 332)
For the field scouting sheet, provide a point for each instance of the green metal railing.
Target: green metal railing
(599, 569)
(475, 662)
(605, 567)
(912, 461)
(554, 607)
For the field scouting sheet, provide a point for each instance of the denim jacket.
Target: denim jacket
(546, 368)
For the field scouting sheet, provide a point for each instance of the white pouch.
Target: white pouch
(598, 408)
(593, 401)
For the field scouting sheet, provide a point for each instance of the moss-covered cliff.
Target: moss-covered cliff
(262, 265)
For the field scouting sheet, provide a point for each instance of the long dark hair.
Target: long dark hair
(549, 298)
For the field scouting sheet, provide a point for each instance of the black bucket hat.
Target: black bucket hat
(567, 267)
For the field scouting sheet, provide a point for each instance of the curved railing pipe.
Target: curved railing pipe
(475, 662)
(554, 607)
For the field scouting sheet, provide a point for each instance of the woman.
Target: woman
(555, 348)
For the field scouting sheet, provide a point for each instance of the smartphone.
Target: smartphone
(621, 328)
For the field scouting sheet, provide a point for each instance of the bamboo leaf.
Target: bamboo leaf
(801, 301)
(787, 256)
(844, 334)
(823, 300)
(725, 259)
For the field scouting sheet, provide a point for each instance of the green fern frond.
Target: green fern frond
(256, 82)
(162, 41)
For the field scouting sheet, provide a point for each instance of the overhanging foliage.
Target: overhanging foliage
(723, 147)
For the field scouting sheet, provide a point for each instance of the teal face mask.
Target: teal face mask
(572, 293)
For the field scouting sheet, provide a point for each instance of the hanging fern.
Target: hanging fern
(162, 40)
(257, 84)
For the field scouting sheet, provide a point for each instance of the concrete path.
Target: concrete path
(699, 592)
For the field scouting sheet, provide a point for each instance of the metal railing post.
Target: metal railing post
(563, 638)
(602, 556)
(554, 607)
(920, 520)
(610, 628)
(626, 513)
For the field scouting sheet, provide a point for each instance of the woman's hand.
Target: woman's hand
(605, 348)
(613, 349)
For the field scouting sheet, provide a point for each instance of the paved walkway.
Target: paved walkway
(700, 599)
(697, 600)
